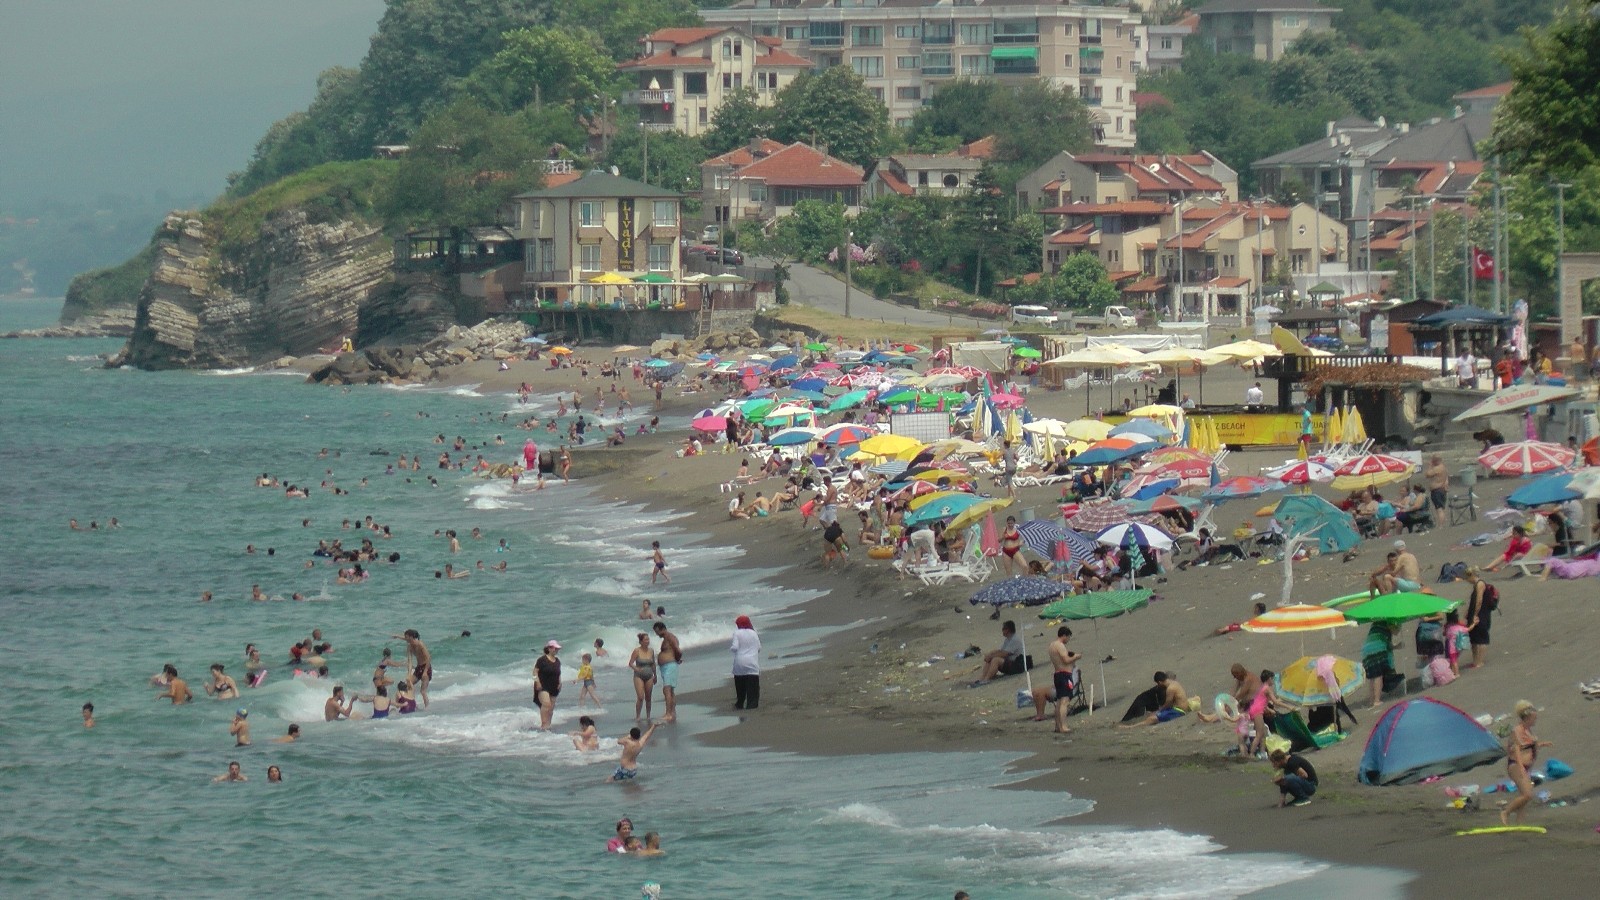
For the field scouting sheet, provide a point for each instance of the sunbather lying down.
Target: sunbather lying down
(1570, 568)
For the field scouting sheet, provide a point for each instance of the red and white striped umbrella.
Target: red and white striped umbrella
(1184, 469)
(1373, 464)
(963, 371)
(1526, 458)
(1096, 515)
(1305, 471)
(859, 379)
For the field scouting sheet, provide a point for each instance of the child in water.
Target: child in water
(586, 678)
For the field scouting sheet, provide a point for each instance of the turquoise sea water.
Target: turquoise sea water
(463, 800)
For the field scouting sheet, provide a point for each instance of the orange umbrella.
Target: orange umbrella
(1297, 618)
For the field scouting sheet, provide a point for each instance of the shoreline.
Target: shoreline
(850, 701)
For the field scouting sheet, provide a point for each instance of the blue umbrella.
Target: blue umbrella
(1154, 489)
(792, 437)
(890, 468)
(941, 509)
(1543, 491)
(1106, 455)
(657, 363)
(1041, 536)
(809, 384)
(1146, 427)
(1140, 507)
(1029, 590)
(788, 361)
(813, 396)
(875, 356)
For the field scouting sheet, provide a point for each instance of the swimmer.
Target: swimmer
(632, 746)
(652, 845)
(337, 707)
(240, 727)
(256, 594)
(88, 715)
(222, 686)
(419, 660)
(205, 596)
(585, 738)
(177, 689)
(72, 525)
(645, 611)
(291, 737)
(233, 774)
(274, 775)
(659, 563)
(586, 679)
(600, 647)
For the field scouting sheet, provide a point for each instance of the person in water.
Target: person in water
(88, 715)
(233, 774)
(632, 745)
(240, 727)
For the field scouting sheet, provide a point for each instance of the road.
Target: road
(816, 288)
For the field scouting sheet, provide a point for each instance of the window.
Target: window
(530, 257)
(1016, 31)
(922, 179)
(535, 215)
(1134, 67)
(908, 32)
(1137, 42)
(660, 257)
(866, 36)
(826, 34)
(794, 32)
(938, 33)
(1066, 61)
(1119, 93)
(727, 49)
(665, 213)
(589, 257)
(902, 122)
(589, 213)
(1119, 63)
(720, 181)
(977, 64)
(757, 191)
(877, 93)
(694, 84)
(908, 93)
(951, 180)
(937, 64)
(1291, 21)
(1119, 124)
(738, 49)
(1166, 43)
(765, 30)
(703, 115)
(767, 81)
(868, 66)
(976, 34)
(1227, 261)
(908, 63)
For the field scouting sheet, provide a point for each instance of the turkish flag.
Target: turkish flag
(1482, 264)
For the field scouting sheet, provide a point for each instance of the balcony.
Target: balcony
(939, 39)
(931, 71)
(1090, 101)
(647, 98)
(1016, 39)
(1088, 38)
(1086, 69)
(828, 41)
(657, 127)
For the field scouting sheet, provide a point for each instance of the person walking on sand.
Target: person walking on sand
(1481, 605)
(1065, 663)
(642, 662)
(547, 683)
(746, 665)
(1522, 750)
(667, 660)
(659, 563)
(419, 661)
(632, 746)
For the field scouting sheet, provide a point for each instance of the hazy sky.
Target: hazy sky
(135, 96)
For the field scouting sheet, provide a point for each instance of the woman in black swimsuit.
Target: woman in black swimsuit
(643, 663)
(1522, 750)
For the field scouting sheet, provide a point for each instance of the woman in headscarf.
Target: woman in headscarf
(746, 665)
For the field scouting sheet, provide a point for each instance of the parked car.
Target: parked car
(728, 256)
(710, 233)
(1033, 315)
(1120, 317)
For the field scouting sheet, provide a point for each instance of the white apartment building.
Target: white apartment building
(907, 49)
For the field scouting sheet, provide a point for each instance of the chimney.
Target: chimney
(823, 149)
(756, 150)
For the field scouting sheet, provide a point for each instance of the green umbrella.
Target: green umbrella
(820, 348)
(854, 398)
(899, 395)
(1026, 353)
(654, 278)
(1097, 605)
(756, 409)
(1399, 607)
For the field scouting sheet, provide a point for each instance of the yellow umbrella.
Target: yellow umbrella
(1375, 479)
(956, 447)
(1154, 411)
(559, 351)
(933, 497)
(1087, 430)
(975, 513)
(1013, 427)
(893, 446)
(1246, 350)
(1334, 432)
(1358, 426)
(610, 278)
(936, 474)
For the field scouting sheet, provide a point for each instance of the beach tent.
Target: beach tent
(1422, 737)
(1335, 529)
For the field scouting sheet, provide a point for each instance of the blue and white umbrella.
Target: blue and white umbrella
(943, 508)
(1029, 590)
(657, 363)
(1146, 427)
(1042, 535)
(1144, 535)
(793, 437)
(890, 468)
(1544, 491)
(1154, 489)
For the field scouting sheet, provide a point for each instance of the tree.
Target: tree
(739, 119)
(1031, 120)
(675, 157)
(1550, 122)
(833, 107)
(465, 161)
(810, 231)
(543, 65)
(1084, 284)
(621, 25)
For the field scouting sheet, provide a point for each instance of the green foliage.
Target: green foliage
(811, 231)
(1531, 231)
(103, 289)
(833, 107)
(1441, 261)
(884, 280)
(1031, 120)
(1079, 284)
(736, 121)
(675, 157)
(543, 65)
(1551, 119)
(621, 25)
(332, 127)
(327, 193)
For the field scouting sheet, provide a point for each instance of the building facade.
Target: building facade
(765, 179)
(683, 75)
(907, 49)
(596, 224)
(1112, 177)
(1262, 28)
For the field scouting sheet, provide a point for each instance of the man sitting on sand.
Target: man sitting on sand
(1170, 702)
(1005, 661)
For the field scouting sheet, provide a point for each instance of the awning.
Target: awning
(1014, 53)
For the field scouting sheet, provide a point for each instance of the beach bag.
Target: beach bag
(1463, 641)
(1452, 572)
(1430, 633)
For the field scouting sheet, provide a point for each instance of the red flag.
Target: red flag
(1482, 264)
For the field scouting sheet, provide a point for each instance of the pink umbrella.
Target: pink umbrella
(1180, 468)
(962, 371)
(825, 365)
(915, 489)
(989, 538)
(1373, 464)
(710, 423)
(1006, 401)
(1526, 458)
(1098, 514)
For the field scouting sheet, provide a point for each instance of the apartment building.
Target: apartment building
(684, 74)
(1262, 28)
(595, 224)
(907, 49)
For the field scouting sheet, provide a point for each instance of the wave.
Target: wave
(243, 370)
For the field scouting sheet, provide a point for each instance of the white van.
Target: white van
(1120, 317)
(1033, 315)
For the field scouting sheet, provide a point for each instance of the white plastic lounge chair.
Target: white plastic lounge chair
(1535, 562)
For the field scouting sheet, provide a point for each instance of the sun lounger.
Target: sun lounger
(1534, 563)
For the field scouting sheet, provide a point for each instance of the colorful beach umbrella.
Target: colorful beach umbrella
(1303, 681)
(1043, 536)
(1097, 515)
(896, 446)
(1143, 535)
(1110, 450)
(1305, 471)
(710, 423)
(847, 401)
(1097, 605)
(889, 468)
(1026, 353)
(1295, 619)
(793, 437)
(847, 433)
(816, 347)
(1370, 470)
(1545, 491)
(1146, 427)
(984, 510)
(1526, 458)
(1240, 488)
(1518, 396)
(941, 505)
(1086, 430)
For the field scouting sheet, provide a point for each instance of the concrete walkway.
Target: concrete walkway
(817, 288)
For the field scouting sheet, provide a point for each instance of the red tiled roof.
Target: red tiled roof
(557, 179)
(666, 61)
(1493, 90)
(982, 148)
(894, 182)
(1075, 237)
(783, 59)
(1030, 278)
(1196, 239)
(801, 165)
(681, 36)
(1143, 100)
(1123, 275)
(740, 156)
(1146, 285)
(1228, 281)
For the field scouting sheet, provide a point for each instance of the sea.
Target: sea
(466, 799)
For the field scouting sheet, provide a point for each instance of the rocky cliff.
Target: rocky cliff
(298, 287)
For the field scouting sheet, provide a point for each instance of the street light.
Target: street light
(849, 240)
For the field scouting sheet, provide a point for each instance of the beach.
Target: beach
(851, 749)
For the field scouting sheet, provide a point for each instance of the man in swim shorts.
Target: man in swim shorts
(667, 660)
(659, 563)
(632, 746)
(419, 660)
(1065, 664)
(1174, 702)
(1407, 573)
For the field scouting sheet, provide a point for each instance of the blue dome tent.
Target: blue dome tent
(1421, 737)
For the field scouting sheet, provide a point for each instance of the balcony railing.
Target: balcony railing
(938, 39)
(1018, 68)
(820, 41)
(1091, 101)
(938, 70)
(1016, 39)
(647, 98)
(656, 126)
(1090, 70)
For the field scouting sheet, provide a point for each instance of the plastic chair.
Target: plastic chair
(1464, 507)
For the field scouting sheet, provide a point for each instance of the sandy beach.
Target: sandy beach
(905, 697)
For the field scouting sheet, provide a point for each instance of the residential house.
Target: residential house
(906, 50)
(765, 179)
(1225, 250)
(1112, 177)
(684, 74)
(1164, 43)
(944, 174)
(1262, 28)
(595, 224)
(1482, 100)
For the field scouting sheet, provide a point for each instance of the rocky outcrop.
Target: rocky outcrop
(113, 323)
(298, 287)
(391, 362)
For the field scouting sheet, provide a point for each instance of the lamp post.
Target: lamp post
(1561, 247)
(1433, 265)
(849, 239)
(1261, 259)
(1414, 249)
